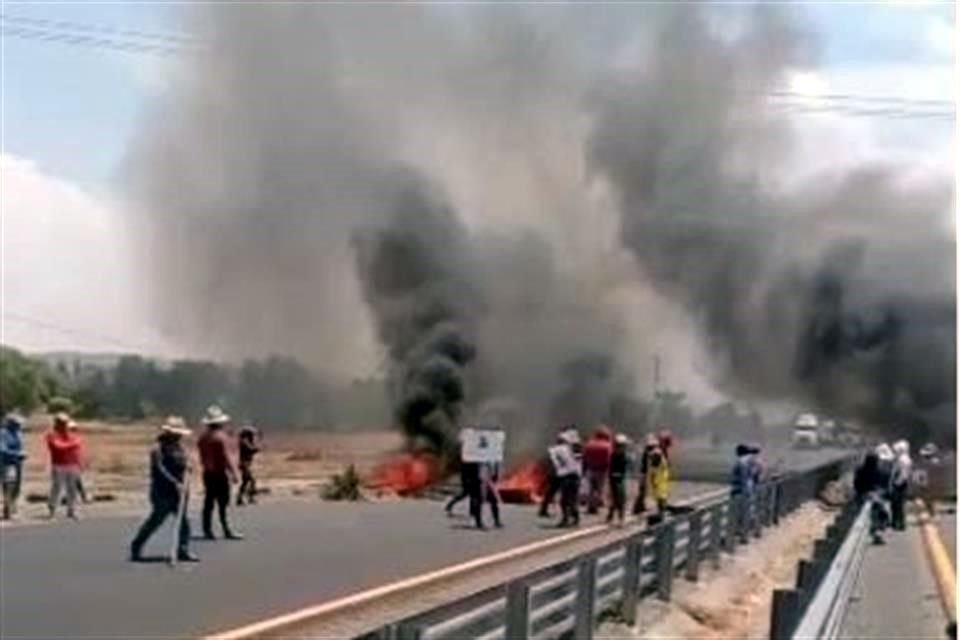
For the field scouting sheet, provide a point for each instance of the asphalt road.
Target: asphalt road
(73, 580)
(896, 595)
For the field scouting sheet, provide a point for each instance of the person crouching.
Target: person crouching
(168, 486)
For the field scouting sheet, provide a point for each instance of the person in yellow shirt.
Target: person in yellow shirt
(658, 480)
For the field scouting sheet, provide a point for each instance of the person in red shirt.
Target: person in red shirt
(596, 465)
(218, 473)
(64, 447)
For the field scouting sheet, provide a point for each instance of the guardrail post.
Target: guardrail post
(783, 613)
(665, 545)
(692, 565)
(777, 501)
(730, 534)
(755, 513)
(406, 631)
(632, 570)
(769, 502)
(716, 533)
(518, 610)
(586, 591)
(806, 581)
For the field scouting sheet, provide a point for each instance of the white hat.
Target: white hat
(62, 416)
(175, 425)
(884, 452)
(571, 436)
(215, 415)
(621, 438)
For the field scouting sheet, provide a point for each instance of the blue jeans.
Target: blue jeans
(12, 479)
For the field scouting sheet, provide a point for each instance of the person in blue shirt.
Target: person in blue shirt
(11, 461)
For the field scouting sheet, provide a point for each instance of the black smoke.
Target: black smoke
(838, 293)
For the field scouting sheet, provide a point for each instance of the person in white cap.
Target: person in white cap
(218, 473)
(568, 460)
(168, 474)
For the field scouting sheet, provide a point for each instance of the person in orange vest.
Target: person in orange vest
(596, 466)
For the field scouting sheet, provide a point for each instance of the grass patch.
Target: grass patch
(343, 486)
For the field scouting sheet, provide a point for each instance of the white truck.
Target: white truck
(806, 431)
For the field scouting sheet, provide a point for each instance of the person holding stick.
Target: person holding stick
(169, 481)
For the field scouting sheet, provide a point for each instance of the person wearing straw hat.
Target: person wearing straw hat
(169, 470)
(218, 473)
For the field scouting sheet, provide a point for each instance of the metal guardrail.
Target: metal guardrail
(565, 599)
(816, 607)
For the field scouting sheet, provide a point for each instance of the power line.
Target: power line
(44, 324)
(846, 97)
(93, 42)
(888, 113)
(134, 41)
(63, 25)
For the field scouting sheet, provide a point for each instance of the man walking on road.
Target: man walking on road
(485, 491)
(64, 448)
(168, 486)
(567, 459)
(218, 473)
(552, 483)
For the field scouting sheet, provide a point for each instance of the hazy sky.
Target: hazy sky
(70, 277)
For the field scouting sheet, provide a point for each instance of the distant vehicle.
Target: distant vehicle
(806, 432)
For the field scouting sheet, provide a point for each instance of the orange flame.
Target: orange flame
(407, 473)
(525, 484)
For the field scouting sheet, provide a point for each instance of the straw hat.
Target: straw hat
(62, 417)
(175, 426)
(215, 415)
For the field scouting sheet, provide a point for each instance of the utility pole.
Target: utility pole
(656, 375)
(655, 410)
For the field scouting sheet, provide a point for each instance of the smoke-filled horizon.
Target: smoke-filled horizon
(514, 219)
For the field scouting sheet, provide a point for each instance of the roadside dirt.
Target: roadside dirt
(732, 602)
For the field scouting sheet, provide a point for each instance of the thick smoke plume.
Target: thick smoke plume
(838, 292)
(485, 194)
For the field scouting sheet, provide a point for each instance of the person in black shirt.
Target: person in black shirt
(247, 443)
(168, 471)
(619, 466)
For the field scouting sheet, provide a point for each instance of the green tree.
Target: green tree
(25, 383)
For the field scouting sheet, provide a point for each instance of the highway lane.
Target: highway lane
(73, 580)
